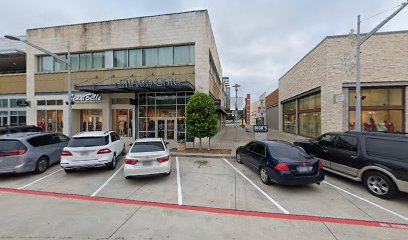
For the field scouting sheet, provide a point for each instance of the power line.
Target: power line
(375, 15)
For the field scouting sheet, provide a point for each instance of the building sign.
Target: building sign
(339, 98)
(147, 83)
(89, 97)
(23, 103)
(260, 128)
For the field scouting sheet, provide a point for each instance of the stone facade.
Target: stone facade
(331, 64)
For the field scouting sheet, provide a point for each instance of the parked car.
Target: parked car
(30, 152)
(92, 150)
(148, 156)
(280, 162)
(16, 129)
(379, 160)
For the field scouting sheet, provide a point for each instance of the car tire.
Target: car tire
(112, 165)
(41, 165)
(238, 157)
(71, 170)
(380, 185)
(263, 174)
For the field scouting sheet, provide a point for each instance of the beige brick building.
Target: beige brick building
(317, 94)
(155, 62)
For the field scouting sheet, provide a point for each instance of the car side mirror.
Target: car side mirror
(167, 143)
(130, 144)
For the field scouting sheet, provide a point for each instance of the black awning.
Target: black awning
(140, 86)
(221, 110)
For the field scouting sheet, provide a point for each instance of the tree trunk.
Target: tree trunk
(209, 144)
(200, 144)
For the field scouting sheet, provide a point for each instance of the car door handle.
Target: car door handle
(325, 150)
(353, 156)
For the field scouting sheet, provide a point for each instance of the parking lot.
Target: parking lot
(229, 199)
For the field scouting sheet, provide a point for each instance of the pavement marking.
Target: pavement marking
(179, 193)
(107, 181)
(367, 201)
(259, 189)
(280, 216)
(31, 183)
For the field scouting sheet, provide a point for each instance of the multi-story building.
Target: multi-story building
(133, 75)
(317, 95)
(272, 110)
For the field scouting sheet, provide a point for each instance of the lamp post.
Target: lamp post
(236, 86)
(359, 41)
(61, 59)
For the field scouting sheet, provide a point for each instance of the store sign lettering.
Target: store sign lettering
(89, 97)
(147, 83)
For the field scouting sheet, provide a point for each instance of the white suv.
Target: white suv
(92, 149)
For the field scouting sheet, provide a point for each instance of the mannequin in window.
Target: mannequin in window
(121, 128)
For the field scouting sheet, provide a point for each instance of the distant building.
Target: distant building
(254, 112)
(272, 110)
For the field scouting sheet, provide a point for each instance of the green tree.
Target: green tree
(201, 119)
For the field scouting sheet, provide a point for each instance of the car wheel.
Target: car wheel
(238, 156)
(380, 185)
(263, 174)
(41, 165)
(70, 170)
(112, 165)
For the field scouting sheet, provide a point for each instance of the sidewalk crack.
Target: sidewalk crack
(137, 209)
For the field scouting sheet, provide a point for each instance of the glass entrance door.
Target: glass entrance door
(166, 128)
(93, 123)
(3, 120)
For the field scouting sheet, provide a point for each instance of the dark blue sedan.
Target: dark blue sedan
(281, 162)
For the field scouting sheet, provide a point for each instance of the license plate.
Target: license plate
(84, 153)
(304, 169)
(147, 163)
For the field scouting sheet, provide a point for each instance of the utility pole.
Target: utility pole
(236, 86)
(359, 42)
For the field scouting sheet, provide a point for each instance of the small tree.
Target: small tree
(201, 120)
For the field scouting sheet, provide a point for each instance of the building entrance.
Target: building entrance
(166, 129)
(91, 120)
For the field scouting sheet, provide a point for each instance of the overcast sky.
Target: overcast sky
(258, 41)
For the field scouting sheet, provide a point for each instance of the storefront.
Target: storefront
(383, 109)
(10, 113)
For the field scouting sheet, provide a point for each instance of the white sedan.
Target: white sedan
(147, 156)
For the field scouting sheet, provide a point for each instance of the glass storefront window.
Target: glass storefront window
(378, 97)
(151, 111)
(122, 122)
(142, 99)
(135, 58)
(74, 62)
(60, 66)
(379, 120)
(309, 124)
(165, 98)
(310, 102)
(181, 55)
(50, 120)
(142, 111)
(181, 110)
(85, 61)
(3, 103)
(120, 58)
(181, 98)
(91, 120)
(289, 117)
(151, 99)
(166, 111)
(98, 60)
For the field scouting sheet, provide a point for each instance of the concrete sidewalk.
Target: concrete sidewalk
(225, 139)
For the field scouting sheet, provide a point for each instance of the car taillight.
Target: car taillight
(320, 165)
(16, 152)
(65, 153)
(104, 151)
(282, 167)
(163, 159)
(131, 161)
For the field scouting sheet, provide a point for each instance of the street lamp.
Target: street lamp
(61, 59)
(236, 86)
(359, 42)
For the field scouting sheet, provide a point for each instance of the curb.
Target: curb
(201, 156)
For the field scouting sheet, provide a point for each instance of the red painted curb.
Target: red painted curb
(212, 210)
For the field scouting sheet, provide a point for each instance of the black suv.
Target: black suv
(379, 160)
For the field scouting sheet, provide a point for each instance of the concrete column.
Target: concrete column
(345, 110)
(406, 109)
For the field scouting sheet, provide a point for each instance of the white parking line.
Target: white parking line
(367, 201)
(107, 181)
(179, 194)
(259, 189)
(31, 183)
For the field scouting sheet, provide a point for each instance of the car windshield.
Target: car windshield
(88, 141)
(282, 151)
(147, 147)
